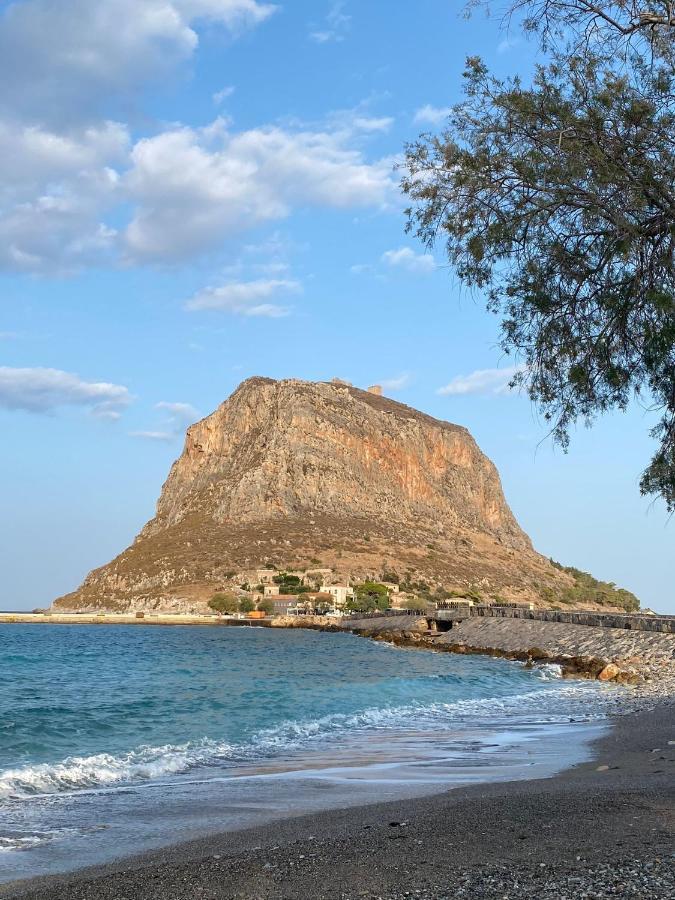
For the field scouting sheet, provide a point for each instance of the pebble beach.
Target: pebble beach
(602, 829)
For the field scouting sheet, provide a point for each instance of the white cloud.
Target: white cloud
(60, 230)
(67, 59)
(166, 436)
(372, 123)
(107, 413)
(194, 187)
(356, 122)
(223, 94)
(395, 384)
(34, 158)
(507, 44)
(179, 416)
(183, 411)
(406, 258)
(245, 298)
(54, 190)
(187, 189)
(335, 27)
(75, 192)
(432, 115)
(482, 381)
(42, 390)
(66, 65)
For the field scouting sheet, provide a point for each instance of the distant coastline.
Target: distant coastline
(107, 618)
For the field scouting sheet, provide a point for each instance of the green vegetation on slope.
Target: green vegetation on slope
(588, 589)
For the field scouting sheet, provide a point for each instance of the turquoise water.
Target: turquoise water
(192, 729)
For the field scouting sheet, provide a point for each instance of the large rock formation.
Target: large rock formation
(299, 474)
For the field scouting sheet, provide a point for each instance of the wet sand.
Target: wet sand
(602, 829)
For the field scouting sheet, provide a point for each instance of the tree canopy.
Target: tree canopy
(368, 597)
(623, 25)
(556, 200)
(416, 604)
(266, 605)
(223, 602)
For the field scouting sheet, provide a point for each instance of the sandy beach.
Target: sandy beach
(602, 829)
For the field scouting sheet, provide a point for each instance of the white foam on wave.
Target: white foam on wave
(9, 844)
(21, 841)
(549, 671)
(104, 769)
(151, 763)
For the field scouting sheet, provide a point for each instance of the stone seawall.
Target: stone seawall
(611, 654)
(659, 624)
(624, 621)
(637, 653)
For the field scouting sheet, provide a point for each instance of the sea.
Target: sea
(119, 739)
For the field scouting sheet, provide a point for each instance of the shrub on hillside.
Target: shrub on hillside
(587, 589)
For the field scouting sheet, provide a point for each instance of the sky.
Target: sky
(196, 191)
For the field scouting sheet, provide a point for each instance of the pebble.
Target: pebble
(634, 879)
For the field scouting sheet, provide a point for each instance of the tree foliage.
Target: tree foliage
(557, 201)
(223, 602)
(368, 597)
(323, 602)
(287, 582)
(652, 21)
(587, 589)
(416, 604)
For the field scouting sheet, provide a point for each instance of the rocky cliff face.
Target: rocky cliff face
(294, 474)
(292, 448)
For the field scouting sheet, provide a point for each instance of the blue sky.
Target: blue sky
(196, 191)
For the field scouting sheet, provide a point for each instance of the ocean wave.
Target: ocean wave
(28, 842)
(103, 770)
(20, 841)
(549, 671)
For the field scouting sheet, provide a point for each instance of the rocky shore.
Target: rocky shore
(643, 660)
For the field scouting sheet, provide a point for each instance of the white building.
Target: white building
(339, 592)
(271, 590)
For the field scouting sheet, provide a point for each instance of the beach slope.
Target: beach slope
(602, 829)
